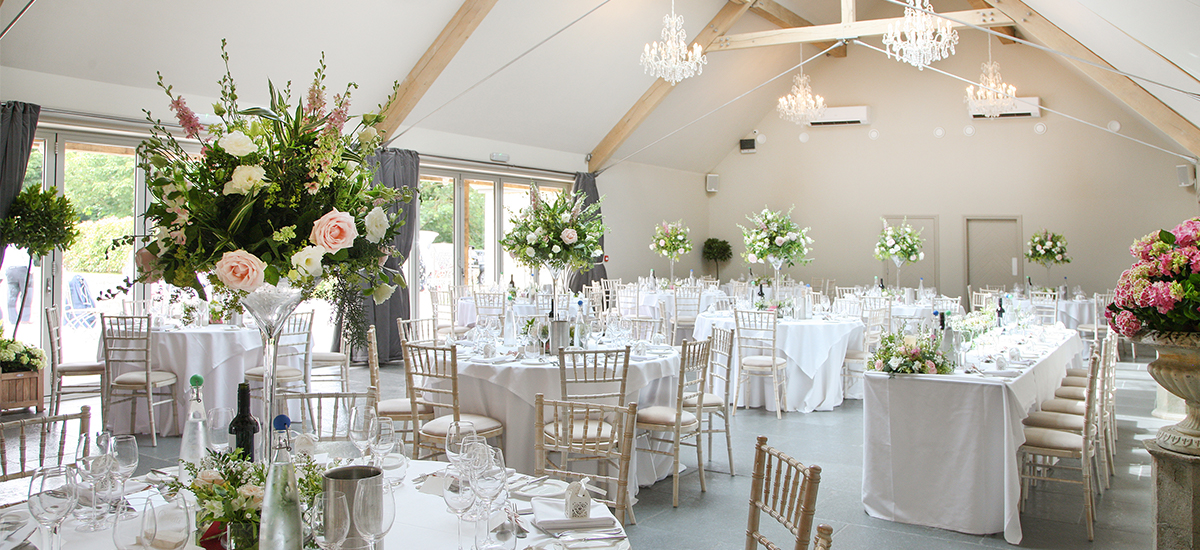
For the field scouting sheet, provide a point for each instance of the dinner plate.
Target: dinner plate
(550, 488)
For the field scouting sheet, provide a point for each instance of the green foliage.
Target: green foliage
(100, 183)
(437, 212)
(91, 252)
(33, 170)
(717, 250)
(40, 221)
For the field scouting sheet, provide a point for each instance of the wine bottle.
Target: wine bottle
(244, 425)
(194, 442)
(1000, 312)
(280, 527)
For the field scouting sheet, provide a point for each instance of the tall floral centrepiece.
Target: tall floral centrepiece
(279, 198)
(900, 244)
(671, 241)
(774, 238)
(1048, 249)
(560, 235)
(1156, 302)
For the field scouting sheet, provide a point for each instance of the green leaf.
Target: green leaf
(260, 112)
(1166, 236)
(271, 275)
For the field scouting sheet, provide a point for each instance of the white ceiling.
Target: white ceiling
(565, 95)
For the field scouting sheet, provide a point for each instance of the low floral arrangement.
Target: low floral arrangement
(1047, 248)
(1161, 290)
(900, 244)
(277, 192)
(972, 324)
(899, 353)
(230, 489)
(773, 234)
(773, 304)
(16, 356)
(563, 234)
(671, 240)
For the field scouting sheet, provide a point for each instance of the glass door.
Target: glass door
(23, 296)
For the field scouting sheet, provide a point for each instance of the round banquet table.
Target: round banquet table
(649, 306)
(507, 391)
(467, 314)
(815, 350)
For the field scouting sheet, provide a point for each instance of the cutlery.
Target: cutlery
(537, 481)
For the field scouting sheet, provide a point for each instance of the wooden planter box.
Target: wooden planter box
(19, 390)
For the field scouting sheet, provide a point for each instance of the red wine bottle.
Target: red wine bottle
(244, 425)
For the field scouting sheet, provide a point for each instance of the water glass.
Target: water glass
(459, 497)
(138, 529)
(364, 428)
(374, 510)
(330, 520)
(454, 438)
(218, 428)
(89, 510)
(385, 441)
(51, 498)
(488, 480)
(125, 462)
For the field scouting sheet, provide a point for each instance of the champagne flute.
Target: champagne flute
(125, 461)
(330, 520)
(488, 479)
(364, 428)
(51, 498)
(454, 438)
(219, 419)
(459, 497)
(384, 442)
(138, 529)
(374, 510)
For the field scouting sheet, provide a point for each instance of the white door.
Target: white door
(994, 251)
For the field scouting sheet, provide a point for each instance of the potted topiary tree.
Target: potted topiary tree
(717, 250)
(39, 221)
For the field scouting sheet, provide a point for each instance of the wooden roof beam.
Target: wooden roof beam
(720, 24)
(1033, 25)
(784, 18)
(1011, 31)
(433, 62)
(847, 31)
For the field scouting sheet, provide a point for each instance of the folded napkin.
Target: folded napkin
(550, 514)
(19, 534)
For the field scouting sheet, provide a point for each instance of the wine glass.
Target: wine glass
(89, 511)
(51, 498)
(138, 529)
(488, 479)
(541, 330)
(218, 428)
(173, 520)
(454, 438)
(374, 510)
(364, 428)
(459, 497)
(384, 442)
(125, 462)
(330, 520)
(401, 468)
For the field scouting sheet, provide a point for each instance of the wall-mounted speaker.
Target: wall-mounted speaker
(712, 183)
(747, 146)
(1186, 174)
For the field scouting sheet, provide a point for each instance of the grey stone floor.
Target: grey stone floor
(833, 440)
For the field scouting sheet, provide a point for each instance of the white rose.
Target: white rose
(367, 134)
(556, 249)
(531, 238)
(895, 362)
(891, 242)
(752, 258)
(382, 292)
(308, 260)
(651, 246)
(779, 241)
(237, 144)
(377, 224)
(245, 180)
(921, 256)
(1058, 256)
(252, 493)
(529, 251)
(662, 243)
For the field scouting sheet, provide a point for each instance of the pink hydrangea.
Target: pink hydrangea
(1126, 323)
(1187, 233)
(1161, 295)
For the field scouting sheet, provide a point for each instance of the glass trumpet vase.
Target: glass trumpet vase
(270, 305)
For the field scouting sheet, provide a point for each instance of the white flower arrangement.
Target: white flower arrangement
(773, 234)
(973, 324)
(1047, 248)
(900, 244)
(671, 240)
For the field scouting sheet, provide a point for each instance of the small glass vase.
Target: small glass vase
(777, 263)
(270, 305)
(899, 264)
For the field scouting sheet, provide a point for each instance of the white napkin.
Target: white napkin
(13, 539)
(550, 514)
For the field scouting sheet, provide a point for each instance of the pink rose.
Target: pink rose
(569, 236)
(334, 231)
(145, 260)
(240, 270)
(930, 368)
(879, 365)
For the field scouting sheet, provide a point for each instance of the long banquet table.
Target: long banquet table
(941, 450)
(815, 350)
(1071, 313)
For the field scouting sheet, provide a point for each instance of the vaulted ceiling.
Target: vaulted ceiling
(566, 95)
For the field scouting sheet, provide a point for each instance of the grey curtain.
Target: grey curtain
(585, 182)
(18, 121)
(397, 168)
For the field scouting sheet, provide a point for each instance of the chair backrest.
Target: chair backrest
(824, 538)
(784, 489)
(875, 302)
(723, 303)
(445, 306)
(373, 363)
(994, 288)
(981, 299)
(1045, 307)
(709, 284)
(55, 331)
(848, 305)
(490, 304)
(720, 362)
(126, 341)
(946, 304)
(610, 292)
(583, 431)
(645, 329)
(432, 375)
(295, 338)
(327, 414)
(49, 433)
(629, 299)
(877, 322)
(694, 358)
(843, 291)
(1102, 300)
(687, 302)
(135, 307)
(755, 332)
(738, 289)
(417, 330)
(594, 376)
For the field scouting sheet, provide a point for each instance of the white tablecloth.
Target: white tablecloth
(1071, 313)
(941, 450)
(815, 351)
(650, 300)
(467, 314)
(507, 392)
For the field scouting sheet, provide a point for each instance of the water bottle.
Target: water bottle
(510, 323)
(195, 431)
(921, 288)
(280, 527)
(580, 339)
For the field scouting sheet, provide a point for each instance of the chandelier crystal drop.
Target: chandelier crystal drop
(801, 105)
(671, 59)
(921, 38)
(993, 96)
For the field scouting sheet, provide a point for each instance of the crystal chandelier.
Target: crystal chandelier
(993, 96)
(671, 59)
(921, 38)
(801, 105)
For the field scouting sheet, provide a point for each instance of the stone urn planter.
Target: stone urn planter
(1177, 370)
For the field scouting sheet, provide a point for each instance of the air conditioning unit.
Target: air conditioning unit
(1026, 107)
(844, 116)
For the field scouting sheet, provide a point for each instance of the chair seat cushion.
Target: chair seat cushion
(1074, 382)
(440, 425)
(1055, 421)
(582, 430)
(282, 374)
(1079, 373)
(443, 330)
(858, 355)
(1071, 392)
(659, 415)
(1068, 406)
(708, 400)
(400, 406)
(685, 320)
(138, 378)
(1092, 327)
(82, 367)
(1053, 439)
(328, 357)
(762, 362)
